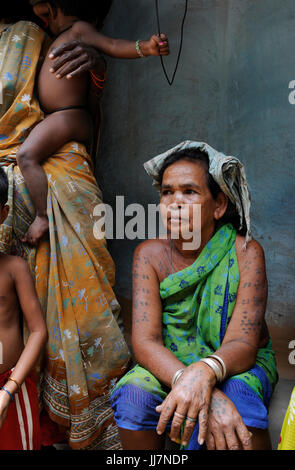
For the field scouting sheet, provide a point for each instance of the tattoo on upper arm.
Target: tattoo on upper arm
(247, 284)
(145, 318)
(258, 284)
(258, 301)
(254, 301)
(140, 294)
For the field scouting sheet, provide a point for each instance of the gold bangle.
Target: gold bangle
(15, 381)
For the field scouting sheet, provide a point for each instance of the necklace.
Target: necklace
(66, 29)
(170, 81)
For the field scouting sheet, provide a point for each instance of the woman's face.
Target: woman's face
(184, 190)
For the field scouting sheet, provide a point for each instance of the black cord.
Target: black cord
(181, 42)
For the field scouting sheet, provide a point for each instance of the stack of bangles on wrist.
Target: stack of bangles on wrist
(98, 81)
(139, 51)
(7, 391)
(220, 372)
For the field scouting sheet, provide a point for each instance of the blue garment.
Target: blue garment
(135, 408)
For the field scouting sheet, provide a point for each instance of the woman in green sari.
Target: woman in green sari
(206, 368)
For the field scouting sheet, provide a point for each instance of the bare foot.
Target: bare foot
(36, 231)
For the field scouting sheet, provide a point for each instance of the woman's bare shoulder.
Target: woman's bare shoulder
(251, 255)
(155, 254)
(151, 248)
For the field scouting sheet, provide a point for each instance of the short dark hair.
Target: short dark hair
(197, 156)
(86, 10)
(3, 187)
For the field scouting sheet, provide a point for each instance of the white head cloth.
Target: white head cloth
(228, 172)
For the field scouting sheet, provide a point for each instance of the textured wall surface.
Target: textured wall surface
(231, 91)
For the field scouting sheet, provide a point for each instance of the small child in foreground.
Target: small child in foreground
(19, 408)
(65, 101)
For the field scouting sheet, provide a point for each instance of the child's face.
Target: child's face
(4, 210)
(48, 15)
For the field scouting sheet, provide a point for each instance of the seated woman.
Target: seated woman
(188, 305)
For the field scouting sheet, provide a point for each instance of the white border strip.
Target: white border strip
(29, 414)
(21, 422)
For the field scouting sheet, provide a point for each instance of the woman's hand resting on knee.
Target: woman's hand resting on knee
(226, 429)
(188, 401)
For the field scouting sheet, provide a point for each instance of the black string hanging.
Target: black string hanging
(170, 81)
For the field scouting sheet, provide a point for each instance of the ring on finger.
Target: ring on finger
(179, 415)
(193, 420)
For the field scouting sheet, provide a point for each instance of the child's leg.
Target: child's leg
(45, 140)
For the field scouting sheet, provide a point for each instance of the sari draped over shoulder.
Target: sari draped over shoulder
(74, 273)
(198, 303)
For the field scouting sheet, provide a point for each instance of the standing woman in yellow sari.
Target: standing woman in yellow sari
(73, 271)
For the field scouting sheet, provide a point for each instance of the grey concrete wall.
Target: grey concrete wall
(231, 91)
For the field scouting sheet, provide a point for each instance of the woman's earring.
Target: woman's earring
(46, 24)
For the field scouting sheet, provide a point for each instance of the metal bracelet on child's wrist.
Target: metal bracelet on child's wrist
(138, 49)
(8, 393)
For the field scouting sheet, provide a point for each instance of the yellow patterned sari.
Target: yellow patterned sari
(74, 273)
(287, 438)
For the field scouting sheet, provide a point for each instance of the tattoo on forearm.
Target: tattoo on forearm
(251, 325)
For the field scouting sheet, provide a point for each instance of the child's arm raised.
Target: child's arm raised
(119, 48)
(33, 315)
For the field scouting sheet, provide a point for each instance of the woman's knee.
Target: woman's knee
(141, 440)
(260, 439)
